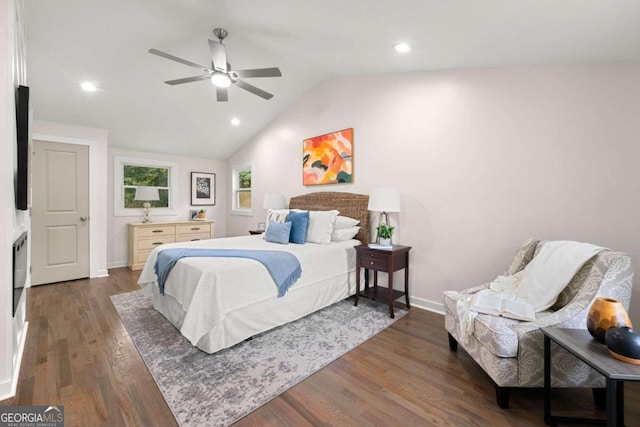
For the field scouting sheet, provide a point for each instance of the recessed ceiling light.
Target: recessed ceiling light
(402, 47)
(88, 86)
(235, 121)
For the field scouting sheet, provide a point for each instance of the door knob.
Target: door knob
(83, 218)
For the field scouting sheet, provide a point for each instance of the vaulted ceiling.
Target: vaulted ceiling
(107, 42)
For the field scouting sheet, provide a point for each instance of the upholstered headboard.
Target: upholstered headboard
(349, 204)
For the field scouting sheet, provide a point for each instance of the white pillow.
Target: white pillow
(321, 226)
(345, 222)
(342, 234)
(275, 215)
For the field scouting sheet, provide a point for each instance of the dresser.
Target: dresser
(144, 237)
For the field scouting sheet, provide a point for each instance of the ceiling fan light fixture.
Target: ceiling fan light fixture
(219, 79)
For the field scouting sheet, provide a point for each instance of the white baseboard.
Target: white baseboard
(8, 388)
(424, 304)
(5, 389)
(102, 273)
(117, 264)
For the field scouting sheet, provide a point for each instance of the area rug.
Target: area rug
(220, 388)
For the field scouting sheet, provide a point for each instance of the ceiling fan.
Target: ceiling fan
(220, 73)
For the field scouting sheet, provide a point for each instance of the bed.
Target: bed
(218, 302)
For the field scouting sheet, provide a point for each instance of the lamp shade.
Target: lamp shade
(147, 194)
(384, 200)
(274, 201)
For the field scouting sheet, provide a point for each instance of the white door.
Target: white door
(60, 212)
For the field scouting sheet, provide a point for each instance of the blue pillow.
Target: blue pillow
(278, 232)
(299, 224)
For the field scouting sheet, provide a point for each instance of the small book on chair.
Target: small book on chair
(497, 305)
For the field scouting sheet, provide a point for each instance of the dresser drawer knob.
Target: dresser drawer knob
(156, 243)
(157, 231)
(195, 229)
(372, 262)
(194, 240)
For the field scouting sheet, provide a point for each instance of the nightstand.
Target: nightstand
(252, 232)
(387, 261)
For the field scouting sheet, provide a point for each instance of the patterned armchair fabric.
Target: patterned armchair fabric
(511, 351)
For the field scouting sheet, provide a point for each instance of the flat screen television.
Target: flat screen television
(23, 136)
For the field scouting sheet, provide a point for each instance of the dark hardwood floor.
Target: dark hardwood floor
(79, 355)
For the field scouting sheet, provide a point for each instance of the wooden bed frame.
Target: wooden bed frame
(348, 204)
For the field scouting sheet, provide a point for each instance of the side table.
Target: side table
(387, 261)
(580, 343)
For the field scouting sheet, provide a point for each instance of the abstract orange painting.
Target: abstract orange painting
(328, 159)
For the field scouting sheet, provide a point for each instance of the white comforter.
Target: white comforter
(210, 289)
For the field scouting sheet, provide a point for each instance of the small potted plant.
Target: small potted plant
(384, 233)
(201, 213)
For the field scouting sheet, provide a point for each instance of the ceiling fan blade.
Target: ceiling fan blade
(180, 60)
(258, 72)
(222, 94)
(218, 55)
(188, 80)
(254, 90)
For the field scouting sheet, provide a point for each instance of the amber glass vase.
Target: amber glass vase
(606, 313)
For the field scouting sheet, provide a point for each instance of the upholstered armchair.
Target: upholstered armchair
(511, 351)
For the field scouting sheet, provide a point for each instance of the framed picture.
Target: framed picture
(193, 214)
(328, 159)
(203, 189)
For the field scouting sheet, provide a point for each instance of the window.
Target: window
(145, 176)
(243, 181)
(130, 173)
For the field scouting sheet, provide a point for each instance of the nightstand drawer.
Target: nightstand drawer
(158, 230)
(374, 263)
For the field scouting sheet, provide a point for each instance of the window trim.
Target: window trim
(118, 186)
(235, 170)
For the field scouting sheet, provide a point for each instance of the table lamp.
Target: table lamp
(274, 201)
(147, 194)
(384, 200)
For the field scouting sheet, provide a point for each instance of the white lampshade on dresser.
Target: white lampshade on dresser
(146, 195)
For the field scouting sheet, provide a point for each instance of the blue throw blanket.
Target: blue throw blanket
(284, 267)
